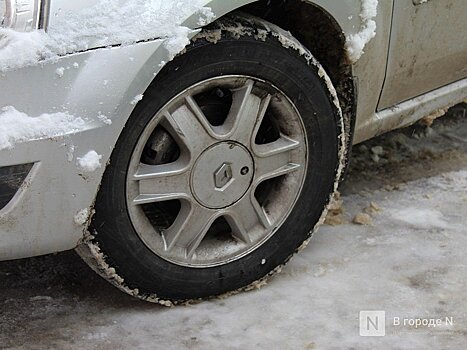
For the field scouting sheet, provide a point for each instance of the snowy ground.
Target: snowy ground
(410, 261)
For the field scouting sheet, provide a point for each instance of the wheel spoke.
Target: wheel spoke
(273, 159)
(189, 228)
(245, 215)
(161, 183)
(246, 113)
(189, 126)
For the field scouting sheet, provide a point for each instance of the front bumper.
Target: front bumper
(40, 218)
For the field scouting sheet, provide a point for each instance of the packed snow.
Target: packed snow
(420, 218)
(16, 127)
(81, 217)
(109, 22)
(136, 99)
(90, 162)
(355, 43)
(313, 304)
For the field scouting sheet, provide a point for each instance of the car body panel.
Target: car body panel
(27, 226)
(425, 37)
(90, 88)
(435, 102)
(369, 71)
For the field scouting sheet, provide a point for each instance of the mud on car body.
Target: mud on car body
(188, 149)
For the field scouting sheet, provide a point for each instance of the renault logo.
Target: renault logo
(223, 175)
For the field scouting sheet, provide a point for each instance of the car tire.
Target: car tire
(197, 147)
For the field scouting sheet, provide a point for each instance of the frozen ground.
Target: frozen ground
(411, 262)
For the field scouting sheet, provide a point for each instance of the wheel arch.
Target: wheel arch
(320, 25)
(321, 28)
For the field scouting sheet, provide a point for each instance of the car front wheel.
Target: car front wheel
(223, 169)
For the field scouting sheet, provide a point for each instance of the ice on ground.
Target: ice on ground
(90, 162)
(420, 217)
(108, 22)
(313, 304)
(16, 126)
(355, 43)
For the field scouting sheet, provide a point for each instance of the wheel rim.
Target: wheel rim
(216, 171)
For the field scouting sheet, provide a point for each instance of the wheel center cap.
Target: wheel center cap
(222, 174)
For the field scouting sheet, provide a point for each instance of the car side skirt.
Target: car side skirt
(410, 111)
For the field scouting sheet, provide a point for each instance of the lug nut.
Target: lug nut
(244, 170)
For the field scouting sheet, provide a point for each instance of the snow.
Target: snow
(136, 99)
(60, 71)
(81, 217)
(107, 23)
(16, 126)
(69, 153)
(355, 43)
(104, 119)
(89, 162)
(420, 218)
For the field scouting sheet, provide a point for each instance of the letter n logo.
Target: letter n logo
(372, 323)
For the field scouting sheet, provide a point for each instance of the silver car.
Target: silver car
(189, 148)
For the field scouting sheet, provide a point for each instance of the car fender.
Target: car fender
(52, 208)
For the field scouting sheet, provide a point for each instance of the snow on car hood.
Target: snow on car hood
(109, 22)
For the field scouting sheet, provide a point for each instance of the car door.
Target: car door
(428, 48)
